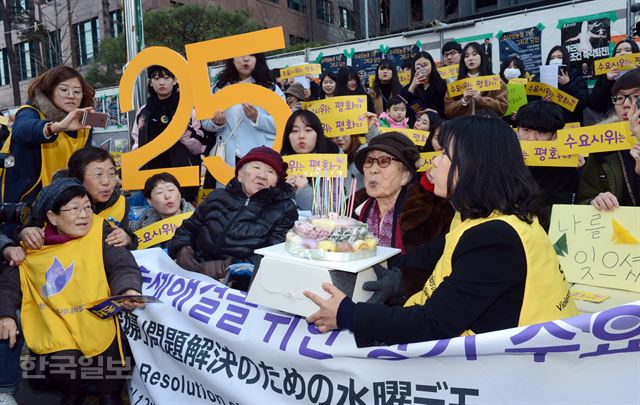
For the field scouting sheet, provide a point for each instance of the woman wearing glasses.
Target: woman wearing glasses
(612, 179)
(46, 131)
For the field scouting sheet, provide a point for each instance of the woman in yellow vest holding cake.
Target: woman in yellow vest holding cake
(496, 267)
(53, 284)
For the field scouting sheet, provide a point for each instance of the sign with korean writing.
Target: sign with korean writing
(621, 62)
(517, 97)
(160, 231)
(545, 153)
(519, 80)
(301, 70)
(418, 137)
(587, 40)
(428, 160)
(366, 62)
(448, 72)
(482, 83)
(206, 344)
(108, 307)
(559, 97)
(524, 43)
(571, 125)
(404, 76)
(401, 54)
(312, 164)
(595, 138)
(340, 116)
(333, 62)
(597, 247)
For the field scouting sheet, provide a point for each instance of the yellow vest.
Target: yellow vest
(54, 155)
(546, 292)
(56, 282)
(116, 211)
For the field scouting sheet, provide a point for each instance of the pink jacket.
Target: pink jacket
(393, 123)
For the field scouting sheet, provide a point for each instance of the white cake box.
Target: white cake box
(282, 278)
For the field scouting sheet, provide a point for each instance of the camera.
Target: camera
(7, 160)
(14, 213)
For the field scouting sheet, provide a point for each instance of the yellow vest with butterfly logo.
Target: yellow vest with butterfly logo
(116, 212)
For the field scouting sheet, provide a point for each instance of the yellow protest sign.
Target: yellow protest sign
(545, 153)
(300, 70)
(4, 120)
(363, 139)
(418, 137)
(404, 76)
(428, 160)
(595, 138)
(596, 247)
(448, 72)
(340, 116)
(517, 97)
(559, 97)
(621, 62)
(518, 80)
(203, 193)
(482, 83)
(370, 79)
(160, 231)
(117, 157)
(312, 164)
(571, 125)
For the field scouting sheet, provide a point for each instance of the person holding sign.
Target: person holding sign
(474, 64)
(600, 97)
(495, 269)
(570, 81)
(53, 284)
(385, 85)
(303, 134)
(426, 88)
(612, 179)
(328, 85)
(348, 84)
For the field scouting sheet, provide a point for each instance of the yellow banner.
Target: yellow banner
(545, 153)
(558, 96)
(571, 125)
(418, 137)
(203, 193)
(313, 164)
(448, 72)
(160, 231)
(300, 70)
(117, 157)
(482, 83)
(428, 160)
(371, 78)
(340, 116)
(597, 247)
(405, 77)
(595, 138)
(622, 62)
(518, 80)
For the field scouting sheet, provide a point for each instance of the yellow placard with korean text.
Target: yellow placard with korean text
(370, 80)
(4, 120)
(448, 72)
(571, 125)
(340, 116)
(518, 80)
(621, 62)
(482, 83)
(595, 138)
(545, 153)
(597, 247)
(117, 158)
(404, 77)
(418, 137)
(300, 70)
(160, 231)
(428, 160)
(558, 97)
(313, 164)
(203, 193)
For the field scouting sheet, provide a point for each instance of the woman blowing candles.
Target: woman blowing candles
(469, 290)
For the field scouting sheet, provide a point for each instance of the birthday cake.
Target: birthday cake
(333, 237)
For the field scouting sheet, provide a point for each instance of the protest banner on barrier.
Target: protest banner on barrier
(448, 72)
(587, 39)
(418, 137)
(300, 70)
(366, 62)
(597, 247)
(595, 138)
(545, 153)
(160, 231)
(621, 62)
(524, 43)
(428, 160)
(205, 344)
(332, 62)
(340, 116)
(313, 164)
(559, 97)
(482, 83)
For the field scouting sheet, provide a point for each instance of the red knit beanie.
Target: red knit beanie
(266, 155)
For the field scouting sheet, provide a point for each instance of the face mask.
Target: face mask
(555, 62)
(511, 73)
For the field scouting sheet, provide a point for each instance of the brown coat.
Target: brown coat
(496, 100)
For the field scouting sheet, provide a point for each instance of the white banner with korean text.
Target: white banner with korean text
(205, 345)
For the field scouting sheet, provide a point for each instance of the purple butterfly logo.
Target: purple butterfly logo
(57, 278)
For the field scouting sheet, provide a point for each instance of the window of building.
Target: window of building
(4, 68)
(54, 50)
(298, 5)
(88, 38)
(26, 60)
(346, 18)
(485, 4)
(116, 23)
(417, 12)
(385, 9)
(451, 7)
(20, 6)
(324, 10)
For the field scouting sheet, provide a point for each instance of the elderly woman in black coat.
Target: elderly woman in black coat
(255, 210)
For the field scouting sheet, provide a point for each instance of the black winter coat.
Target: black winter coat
(229, 224)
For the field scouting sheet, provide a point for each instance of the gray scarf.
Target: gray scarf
(46, 106)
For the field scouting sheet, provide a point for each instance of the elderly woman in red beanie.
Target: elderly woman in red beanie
(255, 210)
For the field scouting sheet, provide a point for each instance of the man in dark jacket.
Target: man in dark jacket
(255, 210)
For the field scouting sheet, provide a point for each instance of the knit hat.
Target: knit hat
(296, 90)
(397, 145)
(451, 46)
(151, 70)
(49, 195)
(266, 155)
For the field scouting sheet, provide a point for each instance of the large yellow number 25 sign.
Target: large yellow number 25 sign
(195, 91)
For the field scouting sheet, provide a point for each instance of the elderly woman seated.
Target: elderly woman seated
(53, 284)
(255, 210)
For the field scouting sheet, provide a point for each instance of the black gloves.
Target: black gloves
(388, 285)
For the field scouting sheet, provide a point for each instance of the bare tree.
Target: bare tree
(72, 35)
(7, 12)
(106, 18)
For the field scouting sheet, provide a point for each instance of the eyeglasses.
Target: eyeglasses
(620, 99)
(75, 211)
(109, 176)
(450, 53)
(382, 161)
(65, 92)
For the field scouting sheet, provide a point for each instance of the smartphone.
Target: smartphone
(562, 69)
(94, 119)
